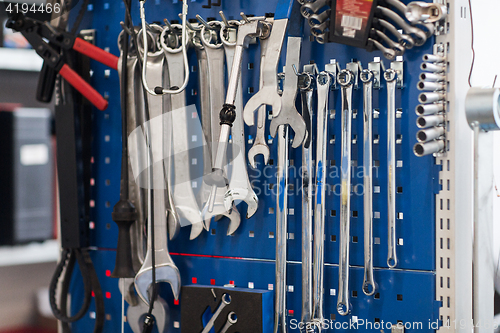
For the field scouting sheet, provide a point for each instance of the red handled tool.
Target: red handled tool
(44, 39)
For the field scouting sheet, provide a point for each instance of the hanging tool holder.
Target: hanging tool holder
(246, 259)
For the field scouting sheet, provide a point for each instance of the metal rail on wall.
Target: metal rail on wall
(412, 291)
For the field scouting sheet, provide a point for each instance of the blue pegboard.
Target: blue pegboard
(215, 256)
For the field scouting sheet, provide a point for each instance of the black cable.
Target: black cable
(471, 44)
(79, 18)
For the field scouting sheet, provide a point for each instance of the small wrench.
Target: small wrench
(367, 79)
(289, 115)
(324, 82)
(268, 93)
(346, 80)
(184, 198)
(260, 146)
(390, 76)
(388, 53)
(306, 85)
(281, 231)
(226, 300)
(166, 271)
(398, 48)
(231, 320)
(239, 185)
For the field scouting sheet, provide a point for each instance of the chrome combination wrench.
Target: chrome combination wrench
(184, 198)
(346, 80)
(307, 82)
(368, 281)
(240, 188)
(231, 320)
(390, 76)
(226, 300)
(324, 83)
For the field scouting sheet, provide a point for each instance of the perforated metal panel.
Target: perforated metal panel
(405, 294)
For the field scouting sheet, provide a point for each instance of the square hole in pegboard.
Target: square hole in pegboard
(250, 285)
(376, 296)
(400, 189)
(399, 297)
(290, 289)
(376, 189)
(333, 163)
(400, 241)
(251, 234)
(332, 316)
(400, 215)
(270, 186)
(399, 164)
(108, 226)
(354, 239)
(333, 213)
(376, 215)
(213, 232)
(291, 211)
(271, 210)
(333, 292)
(376, 139)
(270, 286)
(177, 324)
(354, 213)
(376, 163)
(354, 293)
(291, 235)
(271, 234)
(107, 182)
(377, 320)
(250, 66)
(271, 161)
(376, 240)
(333, 238)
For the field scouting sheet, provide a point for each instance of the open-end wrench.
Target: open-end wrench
(268, 93)
(390, 76)
(368, 281)
(281, 231)
(306, 84)
(239, 184)
(166, 271)
(346, 79)
(398, 48)
(184, 198)
(289, 115)
(402, 9)
(215, 57)
(403, 39)
(260, 145)
(231, 320)
(246, 31)
(324, 82)
(226, 300)
(418, 35)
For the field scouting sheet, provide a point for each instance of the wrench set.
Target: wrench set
(192, 167)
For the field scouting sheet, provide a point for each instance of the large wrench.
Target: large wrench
(346, 80)
(166, 271)
(390, 76)
(398, 48)
(268, 93)
(239, 185)
(260, 146)
(281, 231)
(289, 115)
(368, 281)
(246, 32)
(184, 198)
(226, 300)
(402, 9)
(324, 82)
(306, 85)
(215, 58)
(403, 39)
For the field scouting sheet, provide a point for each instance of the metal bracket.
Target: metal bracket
(376, 68)
(210, 4)
(88, 35)
(398, 67)
(355, 67)
(333, 68)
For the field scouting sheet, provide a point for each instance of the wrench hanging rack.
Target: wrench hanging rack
(246, 259)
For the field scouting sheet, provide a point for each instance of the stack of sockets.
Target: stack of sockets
(431, 111)
(317, 13)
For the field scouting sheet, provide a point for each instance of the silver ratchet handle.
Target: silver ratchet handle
(346, 80)
(390, 77)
